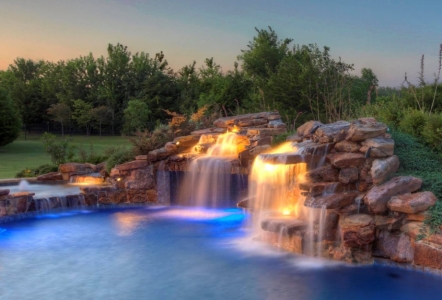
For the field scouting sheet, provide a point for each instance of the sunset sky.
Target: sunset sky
(387, 36)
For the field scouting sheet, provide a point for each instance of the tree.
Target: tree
(135, 116)
(61, 113)
(10, 123)
(101, 116)
(83, 114)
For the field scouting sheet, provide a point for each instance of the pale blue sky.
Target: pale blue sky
(387, 36)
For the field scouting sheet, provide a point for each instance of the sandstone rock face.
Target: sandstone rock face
(428, 254)
(331, 201)
(382, 168)
(52, 176)
(347, 146)
(414, 229)
(357, 230)
(209, 131)
(171, 147)
(75, 168)
(397, 247)
(347, 160)
(359, 131)
(305, 129)
(348, 175)
(246, 119)
(377, 198)
(380, 147)
(412, 203)
(132, 165)
(334, 132)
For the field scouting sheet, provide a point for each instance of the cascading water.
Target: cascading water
(208, 179)
(274, 195)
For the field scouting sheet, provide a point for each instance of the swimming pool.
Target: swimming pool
(177, 253)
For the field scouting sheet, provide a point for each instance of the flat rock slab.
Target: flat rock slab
(263, 132)
(4, 192)
(291, 159)
(332, 201)
(360, 131)
(347, 160)
(412, 203)
(347, 146)
(229, 121)
(136, 164)
(357, 230)
(209, 131)
(333, 132)
(283, 225)
(377, 198)
(52, 176)
(75, 168)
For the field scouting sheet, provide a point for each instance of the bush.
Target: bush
(90, 156)
(118, 155)
(413, 122)
(280, 138)
(43, 169)
(60, 152)
(432, 131)
(144, 141)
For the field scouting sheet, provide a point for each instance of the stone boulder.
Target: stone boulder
(305, 130)
(332, 201)
(347, 146)
(52, 176)
(360, 131)
(379, 147)
(333, 132)
(412, 203)
(357, 230)
(397, 247)
(428, 254)
(381, 169)
(69, 169)
(348, 175)
(377, 198)
(246, 119)
(347, 160)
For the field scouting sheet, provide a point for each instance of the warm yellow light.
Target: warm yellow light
(119, 179)
(269, 167)
(286, 212)
(177, 143)
(235, 129)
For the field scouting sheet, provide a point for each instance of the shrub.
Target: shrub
(144, 141)
(119, 156)
(90, 156)
(413, 122)
(43, 169)
(60, 152)
(432, 131)
(280, 138)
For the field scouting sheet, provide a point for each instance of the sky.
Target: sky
(388, 36)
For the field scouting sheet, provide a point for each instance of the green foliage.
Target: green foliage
(61, 113)
(10, 123)
(432, 131)
(136, 116)
(59, 151)
(85, 156)
(40, 170)
(144, 141)
(82, 114)
(117, 155)
(420, 161)
(413, 122)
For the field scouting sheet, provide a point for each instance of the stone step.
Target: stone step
(332, 201)
(291, 159)
(286, 225)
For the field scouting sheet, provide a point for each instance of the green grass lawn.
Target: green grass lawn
(29, 153)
